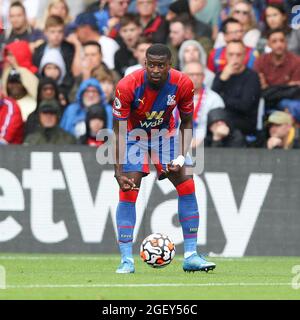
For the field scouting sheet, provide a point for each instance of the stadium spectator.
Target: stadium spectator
(20, 27)
(281, 132)
(154, 25)
(208, 13)
(11, 123)
(95, 121)
(183, 28)
(92, 65)
(47, 90)
(108, 14)
(31, 7)
(279, 71)
(87, 30)
(130, 31)
(107, 82)
(233, 31)
(204, 100)
(59, 48)
(240, 89)
(227, 8)
(140, 54)
(49, 131)
(205, 12)
(193, 51)
(74, 117)
(276, 17)
(221, 132)
(244, 14)
(53, 66)
(18, 53)
(194, 29)
(20, 84)
(180, 7)
(58, 8)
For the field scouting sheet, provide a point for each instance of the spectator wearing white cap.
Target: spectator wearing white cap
(281, 132)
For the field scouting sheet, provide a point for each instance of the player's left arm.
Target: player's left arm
(186, 111)
(186, 131)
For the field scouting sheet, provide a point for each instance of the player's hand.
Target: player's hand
(171, 168)
(126, 184)
(175, 165)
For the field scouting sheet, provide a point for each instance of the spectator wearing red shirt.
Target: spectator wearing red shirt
(279, 72)
(279, 67)
(11, 123)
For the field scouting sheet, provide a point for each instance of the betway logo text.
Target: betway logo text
(154, 115)
(42, 180)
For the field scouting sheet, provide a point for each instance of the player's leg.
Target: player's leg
(188, 212)
(189, 219)
(126, 218)
(134, 168)
(162, 153)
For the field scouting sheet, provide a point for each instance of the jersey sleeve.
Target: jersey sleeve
(123, 100)
(186, 101)
(12, 129)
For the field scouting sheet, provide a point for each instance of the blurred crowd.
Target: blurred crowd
(60, 61)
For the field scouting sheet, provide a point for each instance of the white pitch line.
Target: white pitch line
(74, 258)
(142, 285)
(55, 258)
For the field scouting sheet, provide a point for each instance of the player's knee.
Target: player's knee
(186, 187)
(128, 196)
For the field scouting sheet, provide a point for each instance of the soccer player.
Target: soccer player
(145, 100)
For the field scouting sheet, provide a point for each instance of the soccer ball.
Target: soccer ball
(157, 250)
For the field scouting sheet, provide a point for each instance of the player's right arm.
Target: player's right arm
(121, 112)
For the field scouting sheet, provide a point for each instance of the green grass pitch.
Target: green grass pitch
(93, 277)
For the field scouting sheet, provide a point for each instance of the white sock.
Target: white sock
(188, 254)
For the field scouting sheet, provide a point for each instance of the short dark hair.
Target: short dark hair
(186, 20)
(278, 30)
(237, 42)
(93, 43)
(226, 22)
(181, 18)
(159, 49)
(86, 19)
(18, 4)
(142, 40)
(129, 18)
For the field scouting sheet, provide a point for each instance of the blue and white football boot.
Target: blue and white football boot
(126, 266)
(197, 263)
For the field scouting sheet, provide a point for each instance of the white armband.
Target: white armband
(178, 161)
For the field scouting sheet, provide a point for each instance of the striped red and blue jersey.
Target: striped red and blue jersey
(217, 59)
(146, 108)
